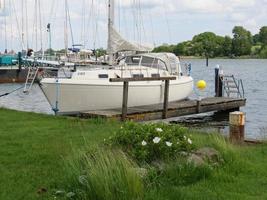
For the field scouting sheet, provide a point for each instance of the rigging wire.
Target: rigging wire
(40, 26)
(11, 26)
(89, 22)
(71, 32)
(82, 39)
(66, 38)
(5, 22)
(27, 31)
(168, 24)
(152, 30)
(8, 93)
(22, 22)
(17, 22)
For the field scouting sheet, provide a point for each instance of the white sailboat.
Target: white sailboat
(89, 90)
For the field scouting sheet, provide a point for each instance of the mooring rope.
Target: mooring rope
(8, 93)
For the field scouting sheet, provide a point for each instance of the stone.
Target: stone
(209, 154)
(196, 160)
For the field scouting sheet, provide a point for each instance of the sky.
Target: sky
(152, 22)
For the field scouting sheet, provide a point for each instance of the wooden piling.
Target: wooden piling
(125, 100)
(237, 127)
(166, 99)
(198, 106)
(218, 83)
(126, 88)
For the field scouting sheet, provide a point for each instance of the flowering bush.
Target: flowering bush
(150, 142)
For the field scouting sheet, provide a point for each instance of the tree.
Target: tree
(242, 41)
(208, 44)
(256, 39)
(227, 46)
(164, 48)
(183, 49)
(263, 52)
(263, 35)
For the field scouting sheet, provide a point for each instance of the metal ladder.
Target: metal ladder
(31, 76)
(233, 87)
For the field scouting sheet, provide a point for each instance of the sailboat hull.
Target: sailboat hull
(71, 98)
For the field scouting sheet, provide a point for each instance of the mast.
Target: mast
(110, 26)
(27, 27)
(66, 28)
(22, 23)
(5, 22)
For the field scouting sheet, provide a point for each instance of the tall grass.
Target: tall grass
(103, 174)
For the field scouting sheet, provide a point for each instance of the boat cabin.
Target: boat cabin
(161, 61)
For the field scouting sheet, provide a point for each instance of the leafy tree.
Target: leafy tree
(263, 35)
(208, 44)
(263, 52)
(164, 48)
(183, 49)
(227, 46)
(242, 41)
(256, 39)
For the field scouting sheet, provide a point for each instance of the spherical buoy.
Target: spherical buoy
(201, 85)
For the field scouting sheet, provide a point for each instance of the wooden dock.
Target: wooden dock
(175, 109)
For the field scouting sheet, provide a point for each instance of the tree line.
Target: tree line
(210, 45)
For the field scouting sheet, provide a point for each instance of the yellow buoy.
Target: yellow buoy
(201, 85)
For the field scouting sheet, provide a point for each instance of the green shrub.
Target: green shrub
(150, 142)
(103, 174)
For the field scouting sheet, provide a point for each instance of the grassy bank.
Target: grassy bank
(34, 149)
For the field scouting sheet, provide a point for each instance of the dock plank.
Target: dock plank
(175, 109)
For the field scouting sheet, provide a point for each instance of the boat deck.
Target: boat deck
(175, 109)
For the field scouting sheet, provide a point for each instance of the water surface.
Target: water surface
(253, 73)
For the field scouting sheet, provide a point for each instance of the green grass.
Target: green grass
(34, 149)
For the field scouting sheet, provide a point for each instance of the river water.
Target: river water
(252, 72)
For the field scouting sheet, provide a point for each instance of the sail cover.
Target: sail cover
(117, 43)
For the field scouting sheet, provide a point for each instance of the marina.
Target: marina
(133, 99)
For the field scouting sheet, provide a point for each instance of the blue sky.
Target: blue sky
(147, 21)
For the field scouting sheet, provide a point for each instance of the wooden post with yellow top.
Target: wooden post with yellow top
(237, 127)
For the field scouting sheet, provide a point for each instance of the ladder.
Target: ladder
(232, 87)
(31, 76)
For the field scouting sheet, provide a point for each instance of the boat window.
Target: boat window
(161, 65)
(102, 75)
(173, 64)
(133, 60)
(138, 75)
(153, 62)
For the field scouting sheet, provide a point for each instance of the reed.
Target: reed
(102, 174)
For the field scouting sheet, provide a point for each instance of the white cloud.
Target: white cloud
(158, 20)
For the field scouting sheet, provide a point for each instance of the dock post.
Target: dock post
(125, 100)
(198, 105)
(166, 99)
(237, 127)
(218, 82)
(19, 60)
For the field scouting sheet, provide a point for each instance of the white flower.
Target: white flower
(156, 140)
(189, 141)
(159, 130)
(184, 137)
(169, 144)
(178, 142)
(144, 143)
